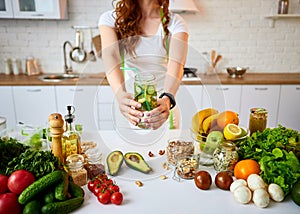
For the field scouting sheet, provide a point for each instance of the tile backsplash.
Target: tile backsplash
(237, 29)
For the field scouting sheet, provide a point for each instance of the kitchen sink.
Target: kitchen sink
(58, 77)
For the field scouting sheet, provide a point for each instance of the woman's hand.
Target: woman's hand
(128, 106)
(158, 116)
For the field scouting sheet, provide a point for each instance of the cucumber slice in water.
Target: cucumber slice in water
(150, 89)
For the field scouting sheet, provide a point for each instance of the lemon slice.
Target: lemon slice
(232, 131)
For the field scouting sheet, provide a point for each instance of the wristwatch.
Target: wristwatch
(171, 98)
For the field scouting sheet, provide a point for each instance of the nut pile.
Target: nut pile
(177, 147)
(187, 167)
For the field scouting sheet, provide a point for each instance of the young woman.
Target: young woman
(144, 34)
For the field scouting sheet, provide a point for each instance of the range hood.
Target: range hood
(180, 6)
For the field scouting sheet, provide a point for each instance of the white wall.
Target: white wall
(237, 29)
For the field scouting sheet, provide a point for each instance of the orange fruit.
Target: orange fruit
(227, 117)
(246, 167)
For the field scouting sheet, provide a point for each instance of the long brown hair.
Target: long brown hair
(128, 16)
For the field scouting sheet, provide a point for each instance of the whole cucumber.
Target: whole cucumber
(39, 186)
(63, 207)
(61, 189)
(75, 190)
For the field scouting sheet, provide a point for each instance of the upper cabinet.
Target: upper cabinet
(34, 9)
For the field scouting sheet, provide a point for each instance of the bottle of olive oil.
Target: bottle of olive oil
(70, 138)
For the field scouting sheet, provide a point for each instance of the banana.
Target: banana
(200, 116)
(209, 122)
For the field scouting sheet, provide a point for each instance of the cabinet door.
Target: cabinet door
(83, 98)
(288, 113)
(106, 108)
(6, 10)
(262, 96)
(40, 9)
(34, 104)
(189, 101)
(222, 97)
(7, 108)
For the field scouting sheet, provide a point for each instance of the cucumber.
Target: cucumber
(39, 186)
(32, 207)
(49, 197)
(75, 190)
(61, 190)
(63, 207)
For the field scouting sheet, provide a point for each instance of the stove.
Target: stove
(189, 74)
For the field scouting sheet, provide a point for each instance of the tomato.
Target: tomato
(116, 198)
(92, 183)
(113, 188)
(223, 180)
(203, 180)
(3, 184)
(9, 204)
(104, 197)
(19, 180)
(99, 188)
(246, 167)
(108, 182)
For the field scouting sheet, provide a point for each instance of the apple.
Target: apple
(213, 140)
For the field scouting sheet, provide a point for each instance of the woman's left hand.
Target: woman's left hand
(158, 116)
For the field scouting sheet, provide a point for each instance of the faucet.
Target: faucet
(67, 69)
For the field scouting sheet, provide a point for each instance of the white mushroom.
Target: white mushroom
(237, 183)
(242, 194)
(261, 198)
(276, 192)
(255, 182)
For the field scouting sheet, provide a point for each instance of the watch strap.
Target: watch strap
(171, 98)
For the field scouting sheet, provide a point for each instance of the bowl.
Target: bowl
(236, 71)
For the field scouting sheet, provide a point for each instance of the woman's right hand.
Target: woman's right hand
(128, 107)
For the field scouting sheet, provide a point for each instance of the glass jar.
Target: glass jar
(225, 157)
(187, 166)
(178, 147)
(258, 120)
(76, 168)
(283, 6)
(145, 93)
(94, 164)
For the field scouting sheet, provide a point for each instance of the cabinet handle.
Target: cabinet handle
(34, 90)
(38, 14)
(261, 89)
(76, 90)
(222, 89)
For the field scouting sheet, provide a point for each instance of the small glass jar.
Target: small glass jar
(178, 147)
(94, 164)
(75, 165)
(187, 166)
(225, 157)
(258, 120)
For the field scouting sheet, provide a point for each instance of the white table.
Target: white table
(165, 196)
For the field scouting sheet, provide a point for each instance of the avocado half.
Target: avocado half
(136, 161)
(114, 162)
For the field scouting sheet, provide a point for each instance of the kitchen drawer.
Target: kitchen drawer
(105, 111)
(105, 94)
(7, 108)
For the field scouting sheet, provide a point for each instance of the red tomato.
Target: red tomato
(3, 184)
(99, 188)
(9, 204)
(19, 180)
(104, 197)
(113, 188)
(91, 184)
(116, 198)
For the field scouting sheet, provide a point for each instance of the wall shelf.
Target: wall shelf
(275, 17)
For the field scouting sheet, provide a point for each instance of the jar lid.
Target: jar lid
(258, 110)
(75, 160)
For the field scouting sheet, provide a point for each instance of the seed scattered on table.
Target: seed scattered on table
(139, 183)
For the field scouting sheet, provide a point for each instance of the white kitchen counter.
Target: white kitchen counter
(164, 196)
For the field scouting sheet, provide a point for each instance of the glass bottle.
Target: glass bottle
(283, 6)
(225, 157)
(94, 164)
(70, 138)
(258, 120)
(75, 165)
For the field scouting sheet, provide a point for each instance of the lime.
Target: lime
(296, 193)
(232, 131)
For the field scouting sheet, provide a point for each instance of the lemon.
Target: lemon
(232, 131)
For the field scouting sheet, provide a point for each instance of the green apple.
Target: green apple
(213, 140)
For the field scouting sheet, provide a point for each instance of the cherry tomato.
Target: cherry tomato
(19, 180)
(3, 184)
(113, 188)
(99, 188)
(104, 197)
(116, 198)
(108, 182)
(203, 180)
(223, 180)
(91, 184)
(9, 204)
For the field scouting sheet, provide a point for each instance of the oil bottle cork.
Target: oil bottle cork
(56, 123)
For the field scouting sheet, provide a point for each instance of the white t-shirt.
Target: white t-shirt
(151, 56)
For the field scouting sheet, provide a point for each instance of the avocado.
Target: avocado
(136, 161)
(114, 162)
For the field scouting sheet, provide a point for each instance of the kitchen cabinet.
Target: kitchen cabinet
(84, 100)
(188, 101)
(7, 108)
(107, 108)
(222, 97)
(288, 113)
(262, 96)
(34, 9)
(34, 104)
(6, 10)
